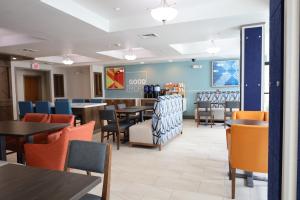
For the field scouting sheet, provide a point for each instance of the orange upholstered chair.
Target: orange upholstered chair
(251, 115)
(14, 144)
(83, 132)
(61, 118)
(35, 117)
(48, 156)
(248, 150)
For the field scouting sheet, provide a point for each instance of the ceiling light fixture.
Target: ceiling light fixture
(130, 56)
(214, 49)
(164, 13)
(67, 61)
(14, 58)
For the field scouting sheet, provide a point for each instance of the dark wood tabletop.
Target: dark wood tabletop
(134, 109)
(246, 122)
(20, 182)
(21, 129)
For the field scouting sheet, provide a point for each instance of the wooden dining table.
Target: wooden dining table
(24, 130)
(23, 182)
(248, 176)
(133, 110)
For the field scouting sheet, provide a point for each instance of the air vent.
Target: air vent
(148, 36)
(30, 50)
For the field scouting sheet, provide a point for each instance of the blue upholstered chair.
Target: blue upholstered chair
(43, 107)
(78, 100)
(63, 107)
(64, 100)
(91, 157)
(25, 107)
(96, 100)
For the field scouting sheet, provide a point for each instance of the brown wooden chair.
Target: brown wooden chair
(91, 157)
(228, 109)
(113, 126)
(204, 110)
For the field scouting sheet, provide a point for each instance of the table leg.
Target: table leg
(141, 116)
(249, 178)
(2, 148)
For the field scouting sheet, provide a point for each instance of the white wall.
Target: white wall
(78, 81)
(44, 87)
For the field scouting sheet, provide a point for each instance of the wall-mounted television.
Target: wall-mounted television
(225, 73)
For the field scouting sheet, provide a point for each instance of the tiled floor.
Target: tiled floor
(192, 166)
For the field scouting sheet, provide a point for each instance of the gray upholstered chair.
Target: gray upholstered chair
(228, 109)
(204, 110)
(91, 157)
(113, 126)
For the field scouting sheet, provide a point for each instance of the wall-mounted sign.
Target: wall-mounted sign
(35, 66)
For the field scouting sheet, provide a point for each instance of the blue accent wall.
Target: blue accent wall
(195, 80)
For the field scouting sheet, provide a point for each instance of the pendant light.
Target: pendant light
(164, 13)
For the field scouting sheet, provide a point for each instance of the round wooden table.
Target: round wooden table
(246, 122)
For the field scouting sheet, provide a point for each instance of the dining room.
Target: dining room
(149, 100)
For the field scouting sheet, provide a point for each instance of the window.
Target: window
(59, 85)
(98, 84)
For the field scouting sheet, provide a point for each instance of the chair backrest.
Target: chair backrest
(231, 105)
(249, 148)
(252, 115)
(48, 156)
(36, 117)
(61, 118)
(78, 100)
(121, 106)
(83, 132)
(96, 100)
(43, 107)
(204, 104)
(63, 107)
(109, 115)
(25, 107)
(110, 107)
(91, 157)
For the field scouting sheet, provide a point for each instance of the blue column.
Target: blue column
(276, 99)
(252, 67)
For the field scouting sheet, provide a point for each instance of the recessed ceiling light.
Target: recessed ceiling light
(130, 57)
(117, 9)
(14, 58)
(170, 60)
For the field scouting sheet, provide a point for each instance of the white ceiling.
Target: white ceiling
(84, 27)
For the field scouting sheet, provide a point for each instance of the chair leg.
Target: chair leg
(233, 173)
(198, 119)
(229, 172)
(102, 136)
(114, 137)
(118, 140)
